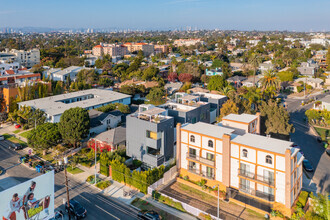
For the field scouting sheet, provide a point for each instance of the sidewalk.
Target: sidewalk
(116, 191)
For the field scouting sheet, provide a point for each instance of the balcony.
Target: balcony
(199, 159)
(257, 193)
(201, 173)
(258, 178)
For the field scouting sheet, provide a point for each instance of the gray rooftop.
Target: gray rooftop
(246, 118)
(262, 142)
(53, 105)
(153, 111)
(114, 136)
(326, 99)
(208, 129)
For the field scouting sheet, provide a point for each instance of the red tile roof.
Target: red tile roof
(10, 72)
(98, 46)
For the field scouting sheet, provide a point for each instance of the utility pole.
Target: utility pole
(95, 149)
(67, 186)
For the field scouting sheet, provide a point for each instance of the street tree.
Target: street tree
(270, 80)
(74, 125)
(156, 96)
(254, 61)
(227, 108)
(216, 83)
(44, 136)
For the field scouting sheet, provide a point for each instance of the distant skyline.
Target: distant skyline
(291, 15)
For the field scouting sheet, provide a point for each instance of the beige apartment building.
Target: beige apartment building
(111, 49)
(26, 58)
(261, 172)
(187, 42)
(147, 49)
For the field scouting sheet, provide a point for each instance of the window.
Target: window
(192, 152)
(209, 172)
(210, 143)
(192, 138)
(269, 159)
(152, 135)
(245, 153)
(210, 156)
(153, 151)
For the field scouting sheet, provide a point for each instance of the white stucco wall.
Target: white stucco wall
(234, 172)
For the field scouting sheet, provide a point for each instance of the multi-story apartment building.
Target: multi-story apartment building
(19, 78)
(27, 58)
(259, 171)
(188, 109)
(187, 42)
(150, 136)
(110, 49)
(58, 74)
(147, 49)
(244, 123)
(161, 48)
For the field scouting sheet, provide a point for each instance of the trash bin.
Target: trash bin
(38, 168)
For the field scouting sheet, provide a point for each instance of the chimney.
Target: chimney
(288, 178)
(178, 146)
(258, 123)
(226, 151)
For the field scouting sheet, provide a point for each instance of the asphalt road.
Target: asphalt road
(313, 151)
(98, 206)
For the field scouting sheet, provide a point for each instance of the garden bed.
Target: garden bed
(75, 170)
(144, 206)
(103, 184)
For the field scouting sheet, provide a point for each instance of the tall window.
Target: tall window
(192, 138)
(245, 153)
(210, 143)
(269, 159)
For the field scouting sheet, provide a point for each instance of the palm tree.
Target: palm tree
(270, 80)
(254, 61)
(227, 90)
(253, 96)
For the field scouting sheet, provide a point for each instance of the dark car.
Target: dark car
(57, 215)
(327, 151)
(149, 215)
(77, 210)
(319, 139)
(307, 166)
(16, 146)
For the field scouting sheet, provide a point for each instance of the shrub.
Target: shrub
(186, 177)
(204, 216)
(25, 127)
(303, 197)
(103, 184)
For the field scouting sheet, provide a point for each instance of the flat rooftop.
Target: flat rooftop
(208, 129)
(245, 118)
(55, 105)
(263, 142)
(153, 111)
(210, 95)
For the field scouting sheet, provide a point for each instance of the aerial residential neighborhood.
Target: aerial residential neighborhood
(181, 109)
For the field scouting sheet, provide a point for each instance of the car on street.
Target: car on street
(149, 215)
(76, 209)
(319, 139)
(58, 215)
(327, 151)
(307, 166)
(17, 126)
(2, 137)
(15, 146)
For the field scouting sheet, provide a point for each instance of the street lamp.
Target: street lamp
(67, 185)
(218, 199)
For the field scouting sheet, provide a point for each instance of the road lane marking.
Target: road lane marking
(107, 212)
(85, 198)
(127, 211)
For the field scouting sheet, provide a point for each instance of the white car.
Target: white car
(2, 137)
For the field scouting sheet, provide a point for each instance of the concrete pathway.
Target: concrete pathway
(116, 191)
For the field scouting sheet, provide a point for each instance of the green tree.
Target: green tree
(270, 80)
(44, 136)
(320, 207)
(229, 107)
(216, 83)
(275, 120)
(328, 58)
(254, 61)
(74, 125)
(285, 76)
(156, 96)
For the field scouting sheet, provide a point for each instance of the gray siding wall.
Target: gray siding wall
(137, 141)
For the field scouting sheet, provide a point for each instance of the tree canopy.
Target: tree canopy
(44, 136)
(156, 96)
(216, 83)
(74, 125)
(227, 108)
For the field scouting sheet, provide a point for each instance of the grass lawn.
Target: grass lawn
(204, 196)
(323, 132)
(144, 205)
(25, 134)
(17, 131)
(14, 139)
(75, 170)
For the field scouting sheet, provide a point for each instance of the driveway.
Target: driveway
(313, 151)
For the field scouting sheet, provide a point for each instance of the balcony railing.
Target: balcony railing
(201, 173)
(258, 178)
(257, 193)
(201, 159)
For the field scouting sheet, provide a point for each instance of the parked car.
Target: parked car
(58, 215)
(16, 146)
(77, 210)
(319, 139)
(2, 137)
(17, 126)
(327, 151)
(307, 166)
(148, 215)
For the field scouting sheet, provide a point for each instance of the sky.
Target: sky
(292, 15)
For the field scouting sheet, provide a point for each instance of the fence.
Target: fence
(168, 176)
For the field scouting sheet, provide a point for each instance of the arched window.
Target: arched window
(269, 159)
(192, 138)
(210, 143)
(245, 153)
